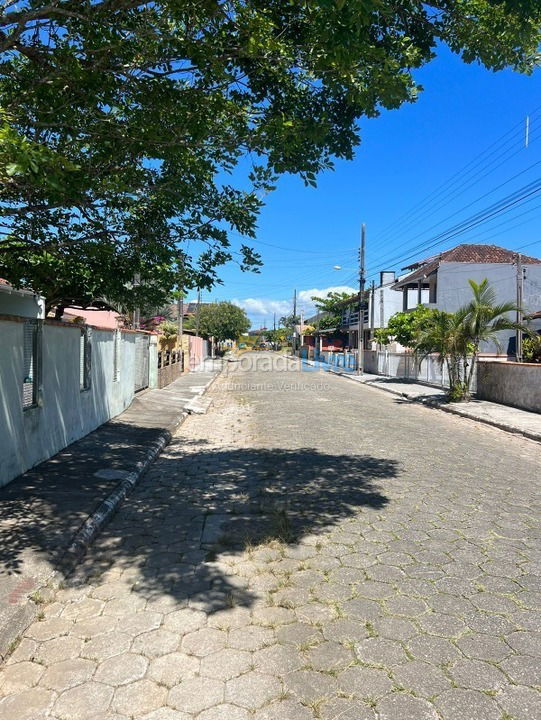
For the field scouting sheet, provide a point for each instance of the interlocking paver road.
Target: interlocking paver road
(309, 549)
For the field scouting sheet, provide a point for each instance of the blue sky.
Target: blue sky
(465, 115)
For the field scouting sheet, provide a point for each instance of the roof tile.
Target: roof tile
(466, 254)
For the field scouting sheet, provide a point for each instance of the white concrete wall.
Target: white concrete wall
(21, 303)
(509, 383)
(65, 413)
(387, 303)
(454, 290)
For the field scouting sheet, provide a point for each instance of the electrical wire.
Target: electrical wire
(459, 176)
(502, 206)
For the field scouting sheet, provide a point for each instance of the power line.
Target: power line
(500, 207)
(463, 189)
(256, 241)
(501, 231)
(458, 176)
(473, 202)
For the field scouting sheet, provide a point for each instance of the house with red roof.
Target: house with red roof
(441, 281)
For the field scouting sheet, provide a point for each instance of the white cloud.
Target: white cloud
(260, 309)
(305, 296)
(263, 306)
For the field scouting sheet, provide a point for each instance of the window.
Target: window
(84, 360)
(31, 363)
(116, 356)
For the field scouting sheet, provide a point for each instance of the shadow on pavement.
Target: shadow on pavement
(191, 513)
(43, 509)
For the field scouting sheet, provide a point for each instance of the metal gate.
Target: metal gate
(142, 344)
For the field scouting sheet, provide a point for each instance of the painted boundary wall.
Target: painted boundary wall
(64, 413)
(510, 383)
(199, 351)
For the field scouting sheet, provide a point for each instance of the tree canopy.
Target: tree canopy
(331, 306)
(404, 327)
(290, 321)
(222, 321)
(138, 137)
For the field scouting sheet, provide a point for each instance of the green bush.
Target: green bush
(168, 329)
(531, 349)
(404, 327)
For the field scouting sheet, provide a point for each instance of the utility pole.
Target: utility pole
(197, 312)
(372, 298)
(180, 319)
(137, 311)
(180, 323)
(294, 321)
(360, 333)
(180, 308)
(520, 294)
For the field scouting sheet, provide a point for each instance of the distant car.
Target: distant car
(242, 346)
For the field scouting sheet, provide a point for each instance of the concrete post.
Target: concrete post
(153, 362)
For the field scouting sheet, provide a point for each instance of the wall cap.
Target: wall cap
(15, 318)
(510, 362)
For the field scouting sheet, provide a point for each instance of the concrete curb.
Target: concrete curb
(448, 408)
(88, 531)
(107, 508)
(486, 421)
(22, 618)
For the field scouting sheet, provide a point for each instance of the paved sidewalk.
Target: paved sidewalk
(46, 507)
(501, 416)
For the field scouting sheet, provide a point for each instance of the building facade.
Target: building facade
(381, 303)
(441, 282)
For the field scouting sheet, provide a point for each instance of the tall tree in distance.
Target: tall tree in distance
(123, 123)
(223, 321)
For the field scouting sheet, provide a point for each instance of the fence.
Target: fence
(170, 366)
(59, 382)
(398, 365)
(407, 366)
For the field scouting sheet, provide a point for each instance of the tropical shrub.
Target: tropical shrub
(168, 329)
(457, 337)
(531, 349)
(404, 327)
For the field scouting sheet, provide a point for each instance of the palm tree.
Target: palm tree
(484, 319)
(456, 337)
(442, 334)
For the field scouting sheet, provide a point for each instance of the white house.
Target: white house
(441, 281)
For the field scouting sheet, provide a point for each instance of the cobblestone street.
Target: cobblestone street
(309, 549)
